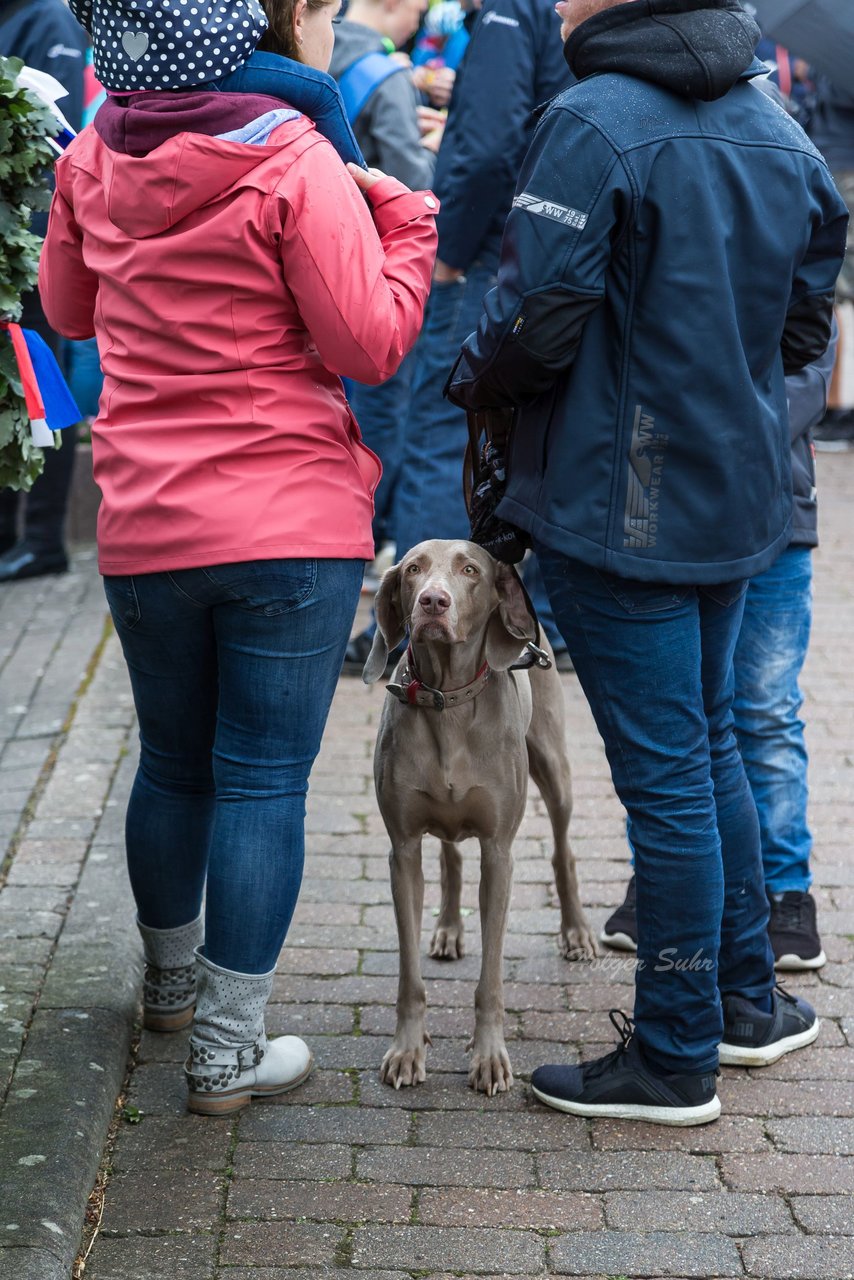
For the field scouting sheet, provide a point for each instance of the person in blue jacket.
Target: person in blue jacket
(770, 653)
(651, 299)
(44, 35)
(513, 64)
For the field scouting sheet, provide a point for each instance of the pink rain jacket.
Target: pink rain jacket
(229, 285)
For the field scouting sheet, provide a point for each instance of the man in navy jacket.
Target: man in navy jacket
(44, 35)
(514, 62)
(651, 298)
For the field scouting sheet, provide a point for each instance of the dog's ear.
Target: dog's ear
(390, 630)
(511, 625)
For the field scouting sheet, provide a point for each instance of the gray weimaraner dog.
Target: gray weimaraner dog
(453, 752)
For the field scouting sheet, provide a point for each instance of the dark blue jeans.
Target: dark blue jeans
(429, 498)
(430, 490)
(382, 413)
(772, 646)
(655, 663)
(233, 668)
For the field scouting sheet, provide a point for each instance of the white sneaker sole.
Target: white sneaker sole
(735, 1055)
(619, 941)
(797, 964)
(681, 1117)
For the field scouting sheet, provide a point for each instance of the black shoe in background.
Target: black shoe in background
(756, 1039)
(357, 653)
(835, 432)
(793, 931)
(621, 928)
(26, 561)
(621, 1085)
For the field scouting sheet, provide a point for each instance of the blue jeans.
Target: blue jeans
(383, 416)
(772, 646)
(430, 492)
(233, 669)
(655, 663)
(430, 500)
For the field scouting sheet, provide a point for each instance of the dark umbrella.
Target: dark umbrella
(819, 31)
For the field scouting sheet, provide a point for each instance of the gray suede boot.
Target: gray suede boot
(169, 987)
(231, 1060)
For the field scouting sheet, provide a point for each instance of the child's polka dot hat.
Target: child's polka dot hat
(168, 44)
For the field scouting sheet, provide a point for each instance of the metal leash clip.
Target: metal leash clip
(541, 658)
(532, 656)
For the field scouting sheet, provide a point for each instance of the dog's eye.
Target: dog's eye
(413, 568)
(471, 568)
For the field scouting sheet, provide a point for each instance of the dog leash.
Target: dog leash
(533, 655)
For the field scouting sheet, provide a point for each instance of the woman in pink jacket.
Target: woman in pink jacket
(232, 270)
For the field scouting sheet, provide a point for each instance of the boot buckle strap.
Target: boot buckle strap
(249, 1057)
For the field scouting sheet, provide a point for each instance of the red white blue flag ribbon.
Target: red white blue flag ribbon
(50, 405)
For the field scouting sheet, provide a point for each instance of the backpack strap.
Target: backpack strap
(362, 78)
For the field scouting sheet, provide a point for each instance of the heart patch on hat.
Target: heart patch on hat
(135, 44)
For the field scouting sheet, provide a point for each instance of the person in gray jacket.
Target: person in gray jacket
(386, 126)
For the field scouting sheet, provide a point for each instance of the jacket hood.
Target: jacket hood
(160, 157)
(696, 48)
(353, 41)
(170, 44)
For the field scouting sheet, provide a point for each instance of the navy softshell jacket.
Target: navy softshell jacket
(671, 251)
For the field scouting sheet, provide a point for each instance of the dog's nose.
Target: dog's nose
(434, 600)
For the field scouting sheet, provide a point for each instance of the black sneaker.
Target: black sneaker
(23, 560)
(756, 1039)
(793, 931)
(622, 1086)
(621, 928)
(835, 432)
(357, 652)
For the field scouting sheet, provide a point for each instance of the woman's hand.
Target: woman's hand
(365, 178)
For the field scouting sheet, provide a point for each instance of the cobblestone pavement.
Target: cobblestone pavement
(346, 1176)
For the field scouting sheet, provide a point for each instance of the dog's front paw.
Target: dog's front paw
(490, 1071)
(578, 943)
(402, 1067)
(447, 942)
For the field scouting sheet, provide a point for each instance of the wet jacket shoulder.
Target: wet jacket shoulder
(387, 126)
(514, 63)
(651, 299)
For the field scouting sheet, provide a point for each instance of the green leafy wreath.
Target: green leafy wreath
(25, 162)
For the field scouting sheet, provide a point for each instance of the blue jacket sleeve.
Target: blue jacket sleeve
(807, 390)
(573, 202)
(486, 135)
(807, 329)
(59, 48)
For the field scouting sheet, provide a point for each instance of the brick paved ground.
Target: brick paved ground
(347, 1176)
